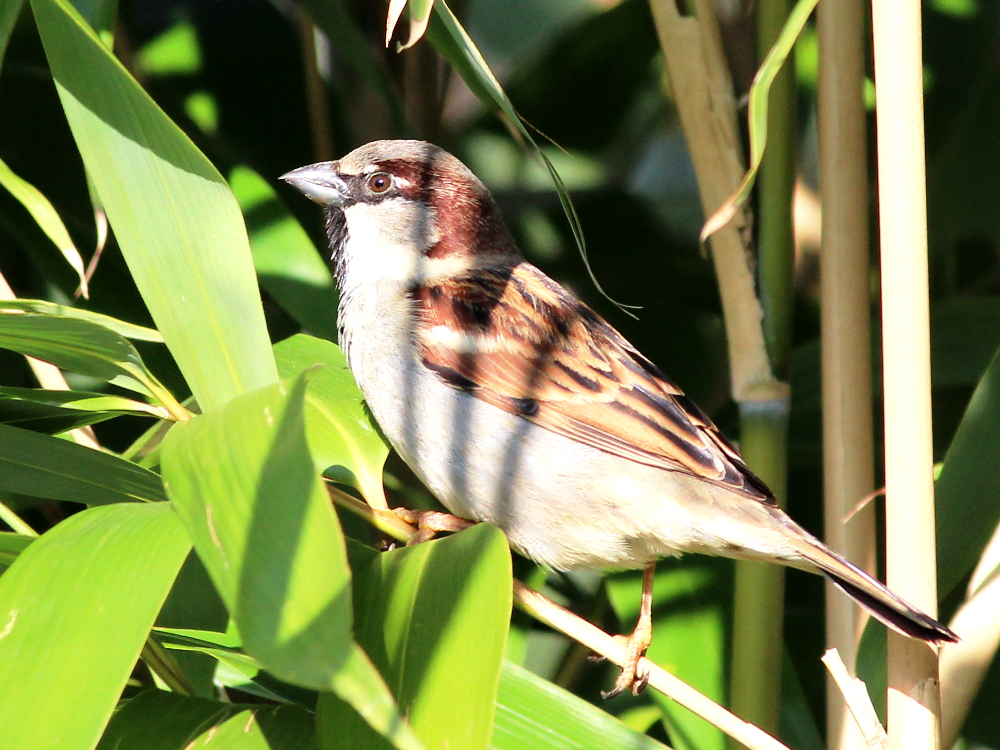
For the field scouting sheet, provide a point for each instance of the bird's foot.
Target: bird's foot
(634, 676)
(430, 522)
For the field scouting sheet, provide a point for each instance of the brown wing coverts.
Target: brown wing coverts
(567, 370)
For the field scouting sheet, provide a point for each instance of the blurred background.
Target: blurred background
(264, 86)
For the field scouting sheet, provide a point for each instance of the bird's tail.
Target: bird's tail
(884, 605)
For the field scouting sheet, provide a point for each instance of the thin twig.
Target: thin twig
(616, 652)
(13, 520)
(858, 701)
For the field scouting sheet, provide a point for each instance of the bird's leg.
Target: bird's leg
(431, 522)
(632, 677)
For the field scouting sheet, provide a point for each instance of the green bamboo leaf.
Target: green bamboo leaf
(78, 346)
(42, 307)
(12, 545)
(342, 437)
(434, 619)
(245, 484)
(44, 466)
(47, 218)
(114, 566)
(968, 497)
(157, 720)
(534, 714)
(287, 263)
(57, 411)
(690, 638)
(175, 218)
(757, 114)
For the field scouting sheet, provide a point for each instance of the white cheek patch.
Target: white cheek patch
(387, 240)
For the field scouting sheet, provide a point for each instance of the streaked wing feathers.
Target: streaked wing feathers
(515, 339)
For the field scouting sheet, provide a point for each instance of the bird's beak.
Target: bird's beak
(319, 182)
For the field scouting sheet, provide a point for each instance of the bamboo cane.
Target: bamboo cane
(913, 699)
(846, 336)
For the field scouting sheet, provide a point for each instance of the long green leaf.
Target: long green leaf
(45, 466)
(42, 307)
(175, 218)
(57, 411)
(78, 346)
(156, 720)
(968, 498)
(434, 618)
(245, 484)
(46, 217)
(534, 714)
(342, 437)
(114, 567)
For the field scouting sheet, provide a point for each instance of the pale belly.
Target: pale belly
(561, 503)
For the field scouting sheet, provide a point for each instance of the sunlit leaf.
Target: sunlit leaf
(342, 437)
(245, 485)
(114, 566)
(534, 714)
(967, 494)
(175, 219)
(434, 619)
(48, 219)
(58, 411)
(420, 14)
(42, 307)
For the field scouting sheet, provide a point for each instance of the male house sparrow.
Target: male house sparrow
(519, 406)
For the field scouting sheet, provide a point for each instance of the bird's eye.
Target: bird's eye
(379, 183)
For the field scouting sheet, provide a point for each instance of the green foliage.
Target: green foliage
(284, 623)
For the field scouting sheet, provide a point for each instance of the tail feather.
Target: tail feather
(884, 605)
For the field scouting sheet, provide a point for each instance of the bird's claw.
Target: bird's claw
(635, 675)
(430, 522)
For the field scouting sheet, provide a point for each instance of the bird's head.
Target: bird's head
(406, 211)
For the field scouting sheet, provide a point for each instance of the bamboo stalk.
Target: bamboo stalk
(703, 92)
(755, 682)
(913, 699)
(848, 459)
(977, 622)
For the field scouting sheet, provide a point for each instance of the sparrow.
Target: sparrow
(519, 406)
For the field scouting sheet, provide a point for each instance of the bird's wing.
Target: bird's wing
(516, 339)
